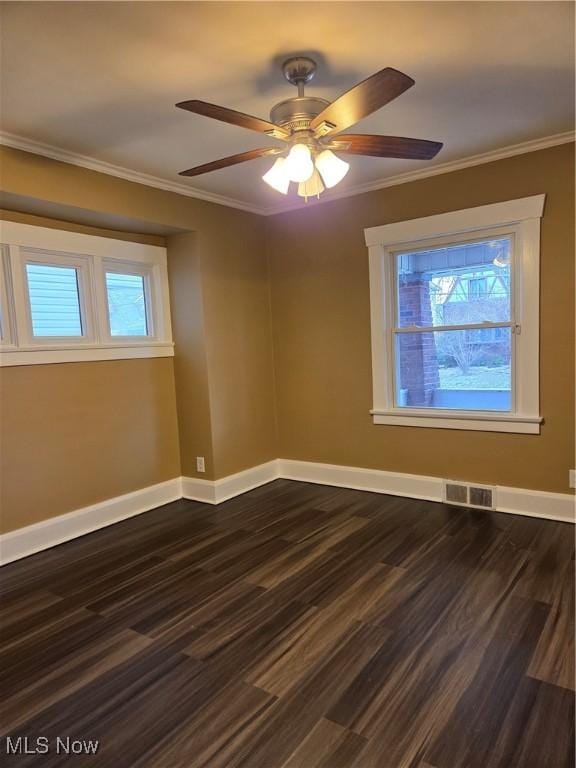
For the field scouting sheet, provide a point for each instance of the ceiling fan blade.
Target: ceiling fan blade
(386, 146)
(225, 162)
(361, 100)
(226, 115)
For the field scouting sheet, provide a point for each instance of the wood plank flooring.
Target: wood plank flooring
(296, 626)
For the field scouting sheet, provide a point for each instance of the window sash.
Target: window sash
(83, 279)
(391, 271)
(442, 410)
(151, 300)
(51, 296)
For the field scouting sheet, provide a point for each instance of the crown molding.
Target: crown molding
(435, 170)
(91, 163)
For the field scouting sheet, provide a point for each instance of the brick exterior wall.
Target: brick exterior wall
(417, 352)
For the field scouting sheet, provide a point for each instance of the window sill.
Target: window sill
(46, 355)
(496, 422)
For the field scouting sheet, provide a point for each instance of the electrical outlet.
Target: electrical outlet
(200, 467)
(572, 478)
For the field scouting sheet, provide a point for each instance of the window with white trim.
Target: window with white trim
(66, 296)
(454, 308)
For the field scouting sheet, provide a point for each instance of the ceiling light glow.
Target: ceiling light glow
(299, 166)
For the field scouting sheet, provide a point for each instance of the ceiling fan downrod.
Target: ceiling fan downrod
(297, 113)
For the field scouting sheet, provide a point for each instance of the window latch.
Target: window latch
(517, 329)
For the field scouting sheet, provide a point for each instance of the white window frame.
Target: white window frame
(91, 256)
(82, 264)
(7, 323)
(519, 218)
(147, 273)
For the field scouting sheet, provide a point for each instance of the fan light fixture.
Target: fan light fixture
(298, 166)
(312, 127)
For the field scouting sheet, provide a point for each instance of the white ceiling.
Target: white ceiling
(101, 79)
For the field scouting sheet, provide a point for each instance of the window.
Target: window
(66, 296)
(126, 304)
(450, 303)
(477, 287)
(454, 305)
(54, 300)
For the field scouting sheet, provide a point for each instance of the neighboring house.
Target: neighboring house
(473, 296)
(469, 296)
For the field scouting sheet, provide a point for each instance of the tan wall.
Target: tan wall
(190, 365)
(222, 330)
(321, 323)
(239, 347)
(229, 247)
(74, 434)
(43, 221)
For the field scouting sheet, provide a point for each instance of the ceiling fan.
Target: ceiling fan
(312, 127)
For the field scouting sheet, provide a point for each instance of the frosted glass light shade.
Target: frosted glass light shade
(277, 177)
(312, 187)
(299, 165)
(332, 168)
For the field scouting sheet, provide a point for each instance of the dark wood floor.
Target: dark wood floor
(299, 626)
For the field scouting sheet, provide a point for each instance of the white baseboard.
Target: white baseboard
(517, 501)
(34, 538)
(217, 491)
(358, 478)
(551, 506)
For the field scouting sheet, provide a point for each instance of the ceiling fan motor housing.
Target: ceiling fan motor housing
(296, 114)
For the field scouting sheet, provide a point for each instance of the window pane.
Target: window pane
(54, 301)
(126, 304)
(457, 285)
(465, 370)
